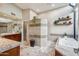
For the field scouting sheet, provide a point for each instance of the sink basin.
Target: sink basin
(68, 42)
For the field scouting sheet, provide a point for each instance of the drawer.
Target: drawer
(11, 52)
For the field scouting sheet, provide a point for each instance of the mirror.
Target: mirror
(9, 26)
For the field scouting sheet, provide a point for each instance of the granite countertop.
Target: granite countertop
(3, 34)
(64, 50)
(6, 44)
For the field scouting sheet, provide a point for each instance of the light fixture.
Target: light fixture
(37, 10)
(53, 5)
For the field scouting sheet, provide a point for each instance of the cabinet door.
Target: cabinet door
(12, 52)
(16, 37)
(57, 53)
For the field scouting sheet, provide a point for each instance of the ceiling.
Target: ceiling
(40, 7)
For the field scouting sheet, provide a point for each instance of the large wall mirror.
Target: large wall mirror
(9, 24)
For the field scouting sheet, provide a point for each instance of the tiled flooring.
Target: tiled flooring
(35, 51)
(32, 51)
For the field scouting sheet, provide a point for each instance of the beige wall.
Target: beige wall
(25, 14)
(28, 14)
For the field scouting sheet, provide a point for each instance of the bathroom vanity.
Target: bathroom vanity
(9, 47)
(12, 36)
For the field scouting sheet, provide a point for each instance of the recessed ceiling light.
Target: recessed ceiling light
(37, 10)
(53, 5)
